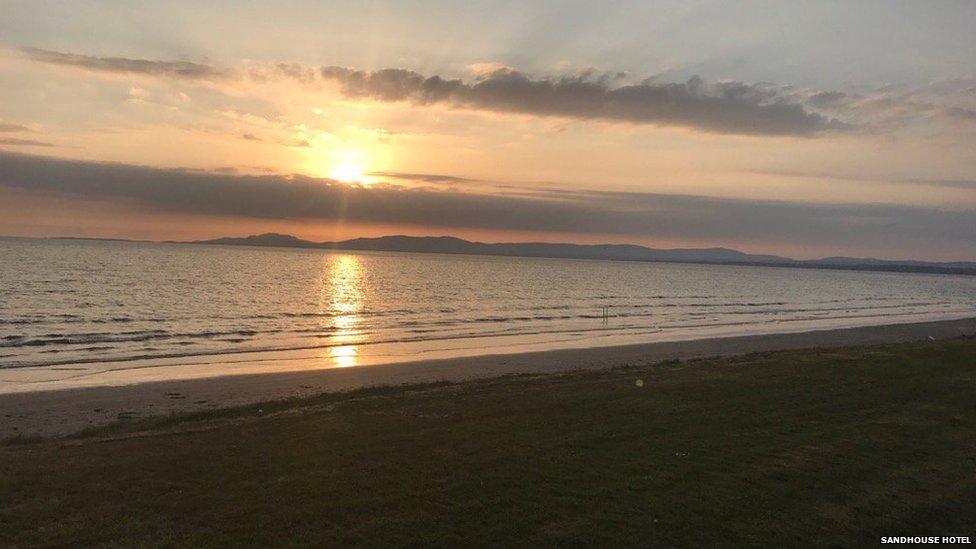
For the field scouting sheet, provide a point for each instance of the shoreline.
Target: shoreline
(125, 371)
(63, 412)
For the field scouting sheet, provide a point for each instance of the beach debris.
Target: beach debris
(639, 383)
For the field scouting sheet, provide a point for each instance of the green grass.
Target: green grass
(832, 447)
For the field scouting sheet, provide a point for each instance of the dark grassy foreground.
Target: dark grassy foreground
(831, 447)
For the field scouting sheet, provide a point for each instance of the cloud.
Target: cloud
(962, 113)
(487, 68)
(948, 183)
(426, 177)
(727, 107)
(889, 107)
(8, 127)
(645, 215)
(826, 98)
(173, 69)
(25, 142)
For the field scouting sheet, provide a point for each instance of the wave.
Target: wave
(430, 324)
(117, 337)
(151, 353)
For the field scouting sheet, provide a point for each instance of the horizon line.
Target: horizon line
(772, 261)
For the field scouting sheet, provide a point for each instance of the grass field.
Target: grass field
(831, 447)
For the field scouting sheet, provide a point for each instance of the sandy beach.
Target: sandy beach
(63, 412)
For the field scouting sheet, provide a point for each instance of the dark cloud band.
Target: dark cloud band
(643, 214)
(178, 69)
(8, 127)
(24, 142)
(730, 107)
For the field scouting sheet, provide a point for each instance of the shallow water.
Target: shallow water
(74, 302)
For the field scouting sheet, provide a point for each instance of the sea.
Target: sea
(82, 309)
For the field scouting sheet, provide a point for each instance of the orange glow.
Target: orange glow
(346, 165)
(343, 292)
(344, 356)
(348, 173)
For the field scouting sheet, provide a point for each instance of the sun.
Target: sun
(352, 166)
(349, 172)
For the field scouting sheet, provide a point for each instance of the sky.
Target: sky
(805, 129)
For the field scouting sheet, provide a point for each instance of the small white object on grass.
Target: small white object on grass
(931, 338)
(640, 383)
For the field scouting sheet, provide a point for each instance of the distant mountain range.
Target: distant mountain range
(616, 252)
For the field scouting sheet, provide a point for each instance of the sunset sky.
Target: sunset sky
(805, 129)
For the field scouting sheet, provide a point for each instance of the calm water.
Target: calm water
(86, 302)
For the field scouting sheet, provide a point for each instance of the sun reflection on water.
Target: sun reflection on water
(344, 298)
(344, 355)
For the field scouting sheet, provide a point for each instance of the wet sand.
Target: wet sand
(63, 412)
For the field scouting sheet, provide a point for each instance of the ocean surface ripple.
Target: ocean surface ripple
(71, 301)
